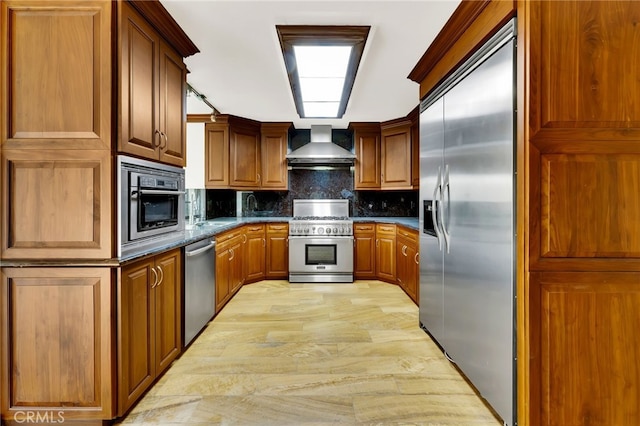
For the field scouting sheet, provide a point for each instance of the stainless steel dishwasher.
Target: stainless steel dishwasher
(199, 287)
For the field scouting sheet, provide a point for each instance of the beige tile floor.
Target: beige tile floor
(313, 354)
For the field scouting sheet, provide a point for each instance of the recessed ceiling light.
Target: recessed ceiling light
(321, 63)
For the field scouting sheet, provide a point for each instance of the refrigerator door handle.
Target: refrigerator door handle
(434, 208)
(446, 207)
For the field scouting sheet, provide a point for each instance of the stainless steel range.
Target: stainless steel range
(321, 242)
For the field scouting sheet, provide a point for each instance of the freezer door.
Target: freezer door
(431, 241)
(479, 219)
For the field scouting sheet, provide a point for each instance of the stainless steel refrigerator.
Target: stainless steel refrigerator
(467, 218)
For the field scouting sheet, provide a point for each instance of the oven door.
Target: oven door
(321, 259)
(154, 212)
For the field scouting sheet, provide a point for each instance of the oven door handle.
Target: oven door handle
(135, 193)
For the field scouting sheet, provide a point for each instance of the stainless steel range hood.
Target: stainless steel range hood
(321, 151)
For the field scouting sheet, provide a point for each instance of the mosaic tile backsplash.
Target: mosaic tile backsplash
(307, 184)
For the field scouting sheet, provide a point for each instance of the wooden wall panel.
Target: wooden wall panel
(589, 64)
(589, 350)
(57, 75)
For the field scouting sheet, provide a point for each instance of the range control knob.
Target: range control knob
(306, 230)
(320, 230)
(328, 230)
(335, 230)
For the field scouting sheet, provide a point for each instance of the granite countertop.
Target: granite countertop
(207, 229)
(213, 227)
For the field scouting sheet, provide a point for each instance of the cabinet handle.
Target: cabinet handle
(264, 242)
(232, 254)
(404, 251)
(245, 238)
(415, 258)
(287, 242)
(166, 140)
(377, 243)
(161, 276)
(259, 178)
(159, 133)
(155, 279)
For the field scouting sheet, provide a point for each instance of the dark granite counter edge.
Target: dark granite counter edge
(190, 236)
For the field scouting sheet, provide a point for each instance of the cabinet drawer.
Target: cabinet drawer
(278, 227)
(254, 229)
(386, 229)
(407, 233)
(228, 235)
(364, 227)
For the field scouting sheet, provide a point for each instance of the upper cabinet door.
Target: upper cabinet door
(140, 134)
(55, 100)
(366, 138)
(244, 149)
(275, 137)
(173, 116)
(396, 156)
(152, 95)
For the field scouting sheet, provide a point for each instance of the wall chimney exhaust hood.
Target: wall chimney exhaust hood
(321, 151)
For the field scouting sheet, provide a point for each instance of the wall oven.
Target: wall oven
(151, 204)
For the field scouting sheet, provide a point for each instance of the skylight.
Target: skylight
(321, 63)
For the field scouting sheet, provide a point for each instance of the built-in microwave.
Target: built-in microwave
(151, 203)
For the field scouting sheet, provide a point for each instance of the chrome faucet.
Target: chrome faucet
(255, 203)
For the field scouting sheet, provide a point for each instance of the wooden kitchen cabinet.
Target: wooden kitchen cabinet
(149, 327)
(56, 319)
(277, 260)
(407, 268)
(273, 147)
(229, 265)
(366, 138)
(246, 154)
(387, 154)
(396, 155)
(55, 130)
(254, 253)
(152, 92)
(386, 252)
(364, 255)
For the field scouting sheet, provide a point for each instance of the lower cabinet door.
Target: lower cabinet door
(136, 332)
(149, 323)
(277, 260)
(167, 309)
(56, 348)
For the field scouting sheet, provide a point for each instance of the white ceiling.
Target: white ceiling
(241, 71)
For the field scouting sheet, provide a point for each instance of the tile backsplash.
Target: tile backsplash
(307, 184)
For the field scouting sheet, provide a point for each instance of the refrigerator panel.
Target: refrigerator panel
(479, 218)
(431, 261)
